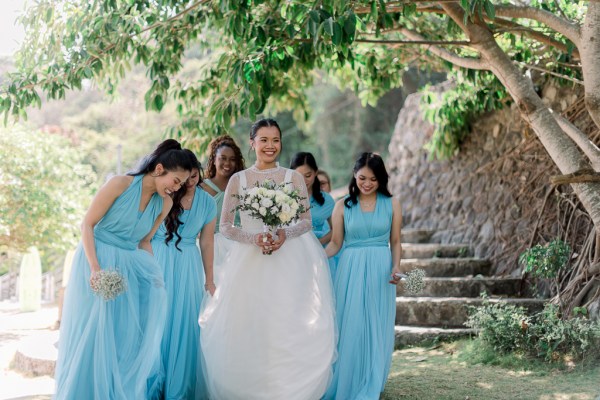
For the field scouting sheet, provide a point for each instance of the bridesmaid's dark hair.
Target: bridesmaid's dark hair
(218, 143)
(172, 221)
(375, 163)
(169, 154)
(305, 158)
(263, 123)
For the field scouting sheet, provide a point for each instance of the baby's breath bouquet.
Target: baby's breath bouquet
(276, 205)
(108, 284)
(413, 281)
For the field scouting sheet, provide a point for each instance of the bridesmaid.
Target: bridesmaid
(324, 181)
(224, 160)
(184, 270)
(108, 349)
(321, 203)
(368, 222)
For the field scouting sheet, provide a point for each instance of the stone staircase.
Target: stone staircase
(454, 281)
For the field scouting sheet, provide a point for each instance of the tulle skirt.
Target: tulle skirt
(222, 248)
(108, 349)
(269, 331)
(365, 310)
(184, 281)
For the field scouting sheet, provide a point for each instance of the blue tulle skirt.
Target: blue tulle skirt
(109, 349)
(180, 377)
(365, 311)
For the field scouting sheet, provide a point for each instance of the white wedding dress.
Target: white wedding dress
(269, 331)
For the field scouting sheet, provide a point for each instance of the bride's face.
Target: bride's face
(267, 144)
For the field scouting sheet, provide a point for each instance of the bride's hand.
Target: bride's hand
(264, 241)
(210, 288)
(280, 240)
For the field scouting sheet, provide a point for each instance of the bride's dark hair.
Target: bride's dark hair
(263, 123)
(375, 163)
(172, 221)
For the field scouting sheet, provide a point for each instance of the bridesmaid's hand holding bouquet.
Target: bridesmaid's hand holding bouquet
(108, 284)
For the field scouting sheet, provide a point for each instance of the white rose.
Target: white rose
(270, 193)
(262, 211)
(274, 210)
(255, 205)
(253, 191)
(266, 202)
(262, 191)
(284, 217)
(294, 206)
(286, 208)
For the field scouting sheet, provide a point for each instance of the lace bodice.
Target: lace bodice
(250, 226)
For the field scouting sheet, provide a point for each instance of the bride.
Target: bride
(269, 330)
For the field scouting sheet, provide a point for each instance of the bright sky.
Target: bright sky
(11, 34)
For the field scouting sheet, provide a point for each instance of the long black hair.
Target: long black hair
(375, 163)
(305, 158)
(172, 221)
(168, 153)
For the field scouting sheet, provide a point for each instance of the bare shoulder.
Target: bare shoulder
(117, 184)
(339, 207)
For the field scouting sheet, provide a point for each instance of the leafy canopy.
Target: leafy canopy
(260, 54)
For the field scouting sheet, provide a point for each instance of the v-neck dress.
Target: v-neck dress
(108, 349)
(365, 304)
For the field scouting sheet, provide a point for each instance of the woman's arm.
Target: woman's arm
(145, 242)
(395, 239)
(337, 230)
(207, 240)
(227, 225)
(326, 238)
(100, 205)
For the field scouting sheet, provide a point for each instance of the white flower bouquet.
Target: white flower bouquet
(276, 205)
(108, 284)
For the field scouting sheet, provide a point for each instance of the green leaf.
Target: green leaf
(490, 10)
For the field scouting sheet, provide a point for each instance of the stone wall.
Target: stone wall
(489, 195)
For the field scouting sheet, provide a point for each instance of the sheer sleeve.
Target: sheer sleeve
(230, 202)
(304, 224)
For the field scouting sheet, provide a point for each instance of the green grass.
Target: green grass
(464, 370)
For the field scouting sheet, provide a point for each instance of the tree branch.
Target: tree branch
(563, 26)
(464, 62)
(590, 49)
(547, 71)
(417, 42)
(585, 144)
(540, 37)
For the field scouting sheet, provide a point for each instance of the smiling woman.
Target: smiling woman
(120, 337)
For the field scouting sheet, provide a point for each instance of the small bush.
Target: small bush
(501, 325)
(546, 261)
(544, 335)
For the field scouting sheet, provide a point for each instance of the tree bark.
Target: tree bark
(590, 59)
(563, 151)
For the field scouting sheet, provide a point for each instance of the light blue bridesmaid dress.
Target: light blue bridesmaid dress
(183, 273)
(320, 214)
(365, 304)
(108, 349)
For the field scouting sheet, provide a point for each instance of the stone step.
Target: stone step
(467, 287)
(37, 354)
(448, 312)
(448, 267)
(416, 235)
(413, 335)
(435, 250)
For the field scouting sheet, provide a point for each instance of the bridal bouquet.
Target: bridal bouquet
(108, 284)
(274, 204)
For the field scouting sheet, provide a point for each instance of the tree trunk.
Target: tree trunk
(590, 59)
(563, 151)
